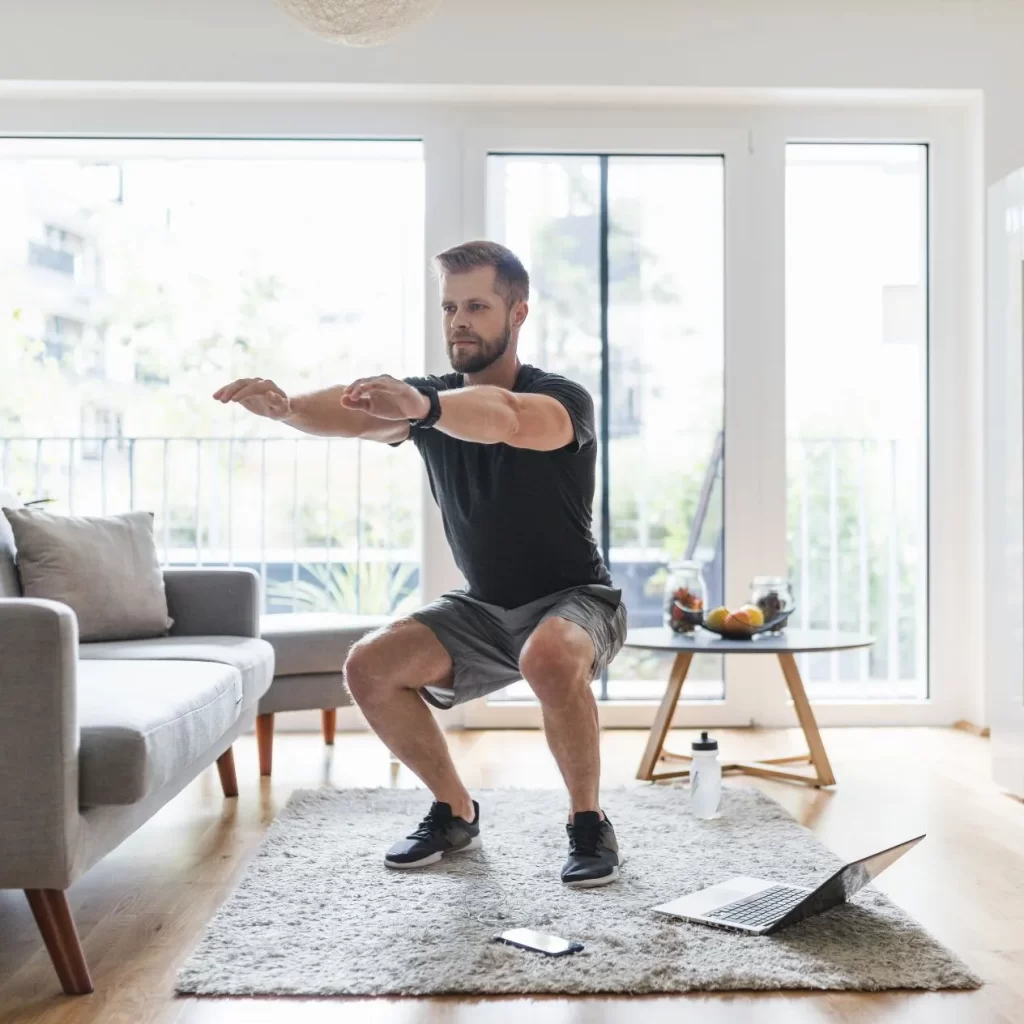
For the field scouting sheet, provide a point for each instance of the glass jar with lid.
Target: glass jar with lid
(774, 596)
(685, 597)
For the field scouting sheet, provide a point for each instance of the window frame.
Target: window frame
(752, 137)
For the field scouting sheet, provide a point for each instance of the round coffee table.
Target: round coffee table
(783, 646)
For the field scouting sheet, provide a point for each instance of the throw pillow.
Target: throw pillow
(105, 569)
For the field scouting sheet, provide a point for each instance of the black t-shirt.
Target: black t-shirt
(519, 521)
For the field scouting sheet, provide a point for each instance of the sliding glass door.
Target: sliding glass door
(626, 257)
(753, 320)
(857, 410)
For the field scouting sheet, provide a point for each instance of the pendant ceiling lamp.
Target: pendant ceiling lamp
(358, 22)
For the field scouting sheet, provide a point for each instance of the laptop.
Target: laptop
(760, 907)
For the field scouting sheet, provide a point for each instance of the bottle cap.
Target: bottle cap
(704, 743)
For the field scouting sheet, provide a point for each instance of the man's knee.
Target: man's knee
(403, 655)
(556, 662)
(363, 670)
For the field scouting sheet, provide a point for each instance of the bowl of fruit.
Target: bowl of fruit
(743, 624)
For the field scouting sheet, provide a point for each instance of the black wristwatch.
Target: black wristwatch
(435, 408)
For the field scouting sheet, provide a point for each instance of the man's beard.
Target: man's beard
(481, 355)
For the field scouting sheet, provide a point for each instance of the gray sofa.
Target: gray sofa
(96, 738)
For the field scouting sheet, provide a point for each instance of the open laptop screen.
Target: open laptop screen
(846, 882)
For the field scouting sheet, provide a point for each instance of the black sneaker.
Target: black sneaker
(440, 832)
(593, 852)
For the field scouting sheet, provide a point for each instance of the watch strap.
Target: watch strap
(435, 408)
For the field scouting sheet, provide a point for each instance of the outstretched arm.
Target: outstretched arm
(318, 412)
(493, 415)
(482, 413)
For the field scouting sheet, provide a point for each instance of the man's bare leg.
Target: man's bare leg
(383, 673)
(556, 662)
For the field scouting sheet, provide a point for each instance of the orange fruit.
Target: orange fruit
(755, 613)
(716, 619)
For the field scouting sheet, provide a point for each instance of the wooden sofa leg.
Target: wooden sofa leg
(226, 767)
(330, 717)
(265, 741)
(53, 916)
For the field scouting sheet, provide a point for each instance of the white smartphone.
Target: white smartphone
(538, 942)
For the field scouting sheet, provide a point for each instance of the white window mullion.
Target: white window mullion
(755, 402)
(446, 225)
(955, 581)
(443, 228)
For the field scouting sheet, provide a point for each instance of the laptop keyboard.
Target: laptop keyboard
(764, 908)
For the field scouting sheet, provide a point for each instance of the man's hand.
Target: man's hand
(263, 397)
(386, 398)
(320, 412)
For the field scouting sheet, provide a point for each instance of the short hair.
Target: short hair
(510, 277)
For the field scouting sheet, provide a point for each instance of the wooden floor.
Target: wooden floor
(142, 909)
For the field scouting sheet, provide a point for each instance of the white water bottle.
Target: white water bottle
(705, 778)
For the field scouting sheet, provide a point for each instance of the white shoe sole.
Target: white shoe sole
(593, 883)
(433, 858)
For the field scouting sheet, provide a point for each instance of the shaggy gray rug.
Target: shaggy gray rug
(318, 913)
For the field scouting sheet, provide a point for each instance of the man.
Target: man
(510, 454)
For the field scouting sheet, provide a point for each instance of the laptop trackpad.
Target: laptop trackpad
(699, 903)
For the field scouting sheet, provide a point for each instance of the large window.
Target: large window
(857, 402)
(779, 329)
(136, 277)
(625, 255)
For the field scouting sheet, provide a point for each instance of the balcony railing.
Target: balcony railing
(858, 557)
(337, 525)
(325, 524)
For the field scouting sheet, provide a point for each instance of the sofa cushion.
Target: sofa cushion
(306, 693)
(144, 722)
(311, 642)
(252, 659)
(105, 568)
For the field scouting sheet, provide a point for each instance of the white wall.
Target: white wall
(805, 44)
(1004, 557)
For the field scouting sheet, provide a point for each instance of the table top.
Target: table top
(792, 641)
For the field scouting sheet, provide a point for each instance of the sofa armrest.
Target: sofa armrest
(38, 743)
(213, 602)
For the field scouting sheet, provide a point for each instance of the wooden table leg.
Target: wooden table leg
(663, 719)
(790, 759)
(807, 721)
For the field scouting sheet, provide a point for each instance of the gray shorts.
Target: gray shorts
(484, 641)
